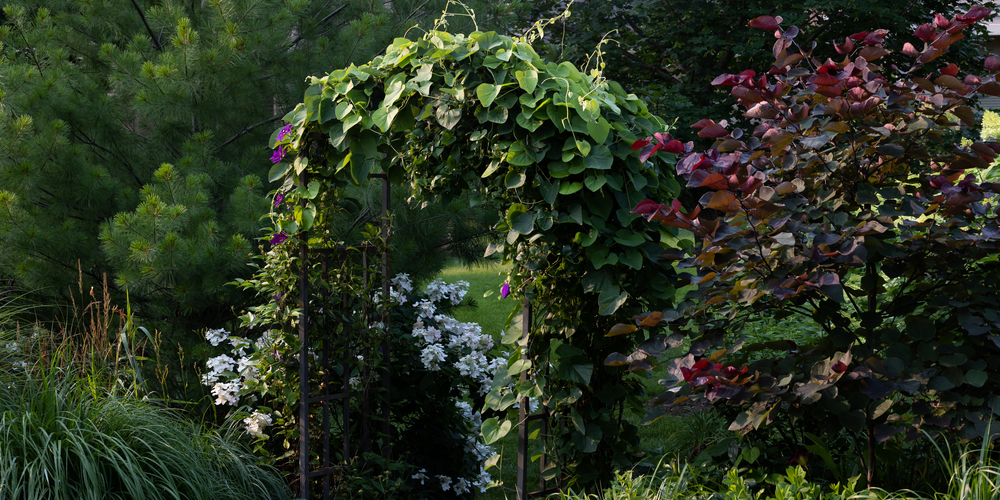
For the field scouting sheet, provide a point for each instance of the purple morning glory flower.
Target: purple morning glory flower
(278, 154)
(279, 238)
(277, 199)
(284, 132)
(505, 290)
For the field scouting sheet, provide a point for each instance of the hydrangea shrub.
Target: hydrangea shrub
(439, 365)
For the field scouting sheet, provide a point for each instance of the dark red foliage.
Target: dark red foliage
(992, 64)
(925, 32)
(846, 48)
(768, 23)
(639, 144)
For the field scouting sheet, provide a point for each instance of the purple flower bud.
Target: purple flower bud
(284, 132)
(277, 199)
(279, 238)
(505, 290)
(278, 154)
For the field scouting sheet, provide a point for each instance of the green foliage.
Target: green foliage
(667, 51)
(133, 137)
(483, 117)
(838, 207)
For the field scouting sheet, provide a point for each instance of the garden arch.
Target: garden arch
(485, 117)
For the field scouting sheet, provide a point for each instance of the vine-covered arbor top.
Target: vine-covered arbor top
(447, 113)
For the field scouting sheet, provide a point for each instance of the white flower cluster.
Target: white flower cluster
(398, 287)
(227, 391)
(256, 422)
(432, 355)
(465, 340)
(215, 337)
(438, 290)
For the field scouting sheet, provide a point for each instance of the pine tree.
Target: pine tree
(133, 135)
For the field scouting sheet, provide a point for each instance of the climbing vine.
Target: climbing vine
(481, 117)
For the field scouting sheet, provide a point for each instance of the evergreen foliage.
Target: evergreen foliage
(135, 133)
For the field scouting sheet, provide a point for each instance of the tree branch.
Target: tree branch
(156, 42)
(246, 130)
(645, 65)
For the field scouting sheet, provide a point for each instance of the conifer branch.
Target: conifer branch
(659, 71)
(156, 41)
(93, 144)
(334, 13)
(246, 130)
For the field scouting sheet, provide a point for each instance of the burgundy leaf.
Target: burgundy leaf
(700, 124)
(673, 146)
(713, 131)
(768, 23)
(974, 14)
(857, 37)
(951, 69)
(925, 32)
(847, 47)
(639, 144)
(992, 64)
(941, 22)
(875, 37)
(725, 80)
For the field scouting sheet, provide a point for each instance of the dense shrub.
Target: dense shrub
(844, 205)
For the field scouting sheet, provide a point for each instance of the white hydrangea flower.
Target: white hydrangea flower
(477, 449)
(430, 334)
(216, 366)
(426, 308)
(465, 408)
(226, 393)
(447, 323)
(216, 336)
(257, 422)
(402, 281)
(431, 356)
(457, 292)
(471, 364)
(483, 480)
(461, 486)
(247, 367)
(445, 482)
(421, 474)
(240, 345)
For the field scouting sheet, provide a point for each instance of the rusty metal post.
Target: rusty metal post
(521, 487)
(387, 374)
(303, 358)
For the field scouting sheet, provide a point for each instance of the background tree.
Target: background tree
(667, 51)
(135, 135)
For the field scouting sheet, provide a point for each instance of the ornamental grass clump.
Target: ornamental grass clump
(58, 440)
